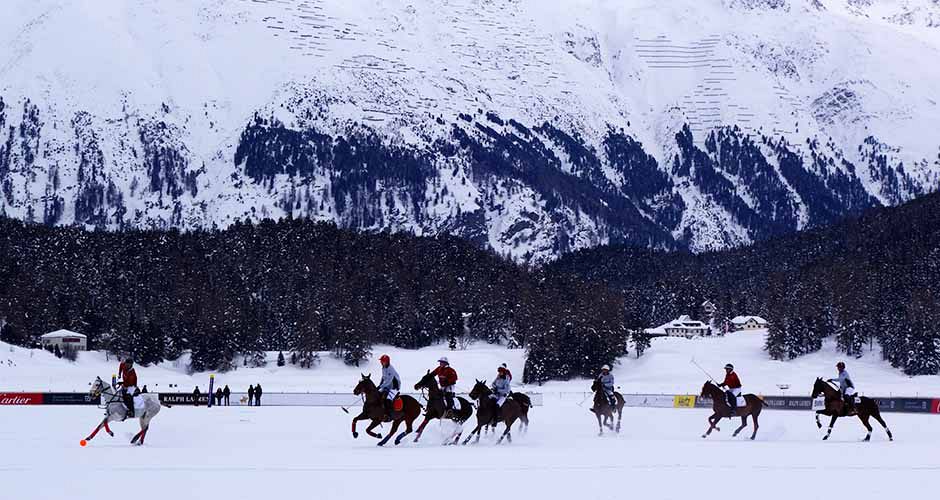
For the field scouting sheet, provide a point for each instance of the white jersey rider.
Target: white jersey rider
(846, 386)
(390, 384)
(501, 384)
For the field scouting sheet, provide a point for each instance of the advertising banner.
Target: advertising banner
(69, 398)
(20, 398)
(684, 402)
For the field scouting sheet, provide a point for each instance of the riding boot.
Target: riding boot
(448, 405)
(129, 403)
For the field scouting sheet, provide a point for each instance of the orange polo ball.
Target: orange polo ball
(83, 442)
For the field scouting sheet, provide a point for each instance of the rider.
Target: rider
(733, 383)
(607, 383)
(846, 387)
(500, 387)
(390, 384)
(447, 379)
(128, 378)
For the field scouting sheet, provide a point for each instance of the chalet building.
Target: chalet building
(682, 327)
(740, 323)
(65, 338)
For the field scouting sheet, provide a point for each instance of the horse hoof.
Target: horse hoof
(704, 436)
(378, 435)
(355, 435)
(825, 438)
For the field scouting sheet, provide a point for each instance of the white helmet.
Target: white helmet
(605, 367)
(443, 360)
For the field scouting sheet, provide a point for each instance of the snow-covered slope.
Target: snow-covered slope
(531, 127)
(665, 368)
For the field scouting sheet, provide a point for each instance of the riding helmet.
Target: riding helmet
(605, 367)
(729, 366)
(384, 359)
(443, 360)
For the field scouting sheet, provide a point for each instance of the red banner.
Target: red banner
(20, 398)
(935, 406)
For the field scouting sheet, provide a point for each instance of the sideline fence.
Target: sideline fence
(333, 399)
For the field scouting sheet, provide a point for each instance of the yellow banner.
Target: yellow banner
(684, 402)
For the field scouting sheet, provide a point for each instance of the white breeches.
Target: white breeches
(392, 394)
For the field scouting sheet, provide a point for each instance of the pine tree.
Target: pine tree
(280, 359)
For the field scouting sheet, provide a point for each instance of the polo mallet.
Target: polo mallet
(703, 370)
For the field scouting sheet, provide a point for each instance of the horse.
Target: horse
(602, 408)
(835, 407)
(487, 411)
(752, 406)
(373, 408)
(115, 410)
(437, 409)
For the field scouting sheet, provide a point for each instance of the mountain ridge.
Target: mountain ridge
(532, 131)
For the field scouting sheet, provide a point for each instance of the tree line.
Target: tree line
(297, 286)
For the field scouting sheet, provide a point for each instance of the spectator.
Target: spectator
(258, 395)
(226, 393)
(218, 396)
(251, 395)
(144, 391)
(196, 396)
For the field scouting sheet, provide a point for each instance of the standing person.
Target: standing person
(607, 383)
(846, 387)
(733, 383)
(128, 378)
(196, 396)
(258, 395)
(144, 390)
(218, 396)
(226, 393)
(390, 384)
(251, 395)
(447, 379)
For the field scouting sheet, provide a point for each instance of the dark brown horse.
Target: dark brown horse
(373, 408)
(603, 409)
(835, 407)
(488, 411)
(752, 406)
(437, 409)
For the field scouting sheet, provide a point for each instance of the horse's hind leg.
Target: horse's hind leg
(619, 418)
(877, 416)
(407, 431)
(864, 419)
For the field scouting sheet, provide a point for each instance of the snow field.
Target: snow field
(280, 452)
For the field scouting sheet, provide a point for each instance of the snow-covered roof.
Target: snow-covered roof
(740, 320)
(58, 334)
(684, 322)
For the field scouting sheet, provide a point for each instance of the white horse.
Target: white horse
(115, 409)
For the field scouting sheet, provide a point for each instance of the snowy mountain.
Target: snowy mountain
(529, 127)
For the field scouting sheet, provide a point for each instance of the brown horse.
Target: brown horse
(488, 411)
(835, 407)
(602, 408)
(437, 409)
(753, 406)
(373, 408)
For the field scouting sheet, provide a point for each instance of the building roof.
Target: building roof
(740, 320)
(58, 334)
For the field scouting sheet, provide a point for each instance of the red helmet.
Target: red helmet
(384, 358)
